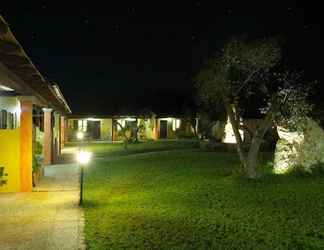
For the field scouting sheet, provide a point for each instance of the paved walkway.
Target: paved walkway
(48, 218)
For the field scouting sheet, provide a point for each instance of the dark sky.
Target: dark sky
(124, 56)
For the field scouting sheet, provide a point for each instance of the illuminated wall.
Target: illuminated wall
(106, 129)
(10, 145)
(171, 127)
(11, 105)
(149, 129)
(10, 158)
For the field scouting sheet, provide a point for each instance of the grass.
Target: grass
(189, 199)
(117, 149)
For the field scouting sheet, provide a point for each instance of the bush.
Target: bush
(314, 169)
(182, 134)
(37, 157)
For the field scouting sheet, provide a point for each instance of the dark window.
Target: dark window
(75, 124)
(3, 119)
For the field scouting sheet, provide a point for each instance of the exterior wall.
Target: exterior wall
(26, 145)
(149, 129)
(48, 137)
(12, 105)
(56, 136)
(71, 131)
(16, 145)
(63, 131)
(10, 158)
(171, 130)
(106, 129)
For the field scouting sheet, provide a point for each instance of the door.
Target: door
(93, 129)
(163, 129)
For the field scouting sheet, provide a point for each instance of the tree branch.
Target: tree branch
(246, 82)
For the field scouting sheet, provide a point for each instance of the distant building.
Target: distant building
(108, 128)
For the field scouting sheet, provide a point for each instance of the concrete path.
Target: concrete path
(48, 218)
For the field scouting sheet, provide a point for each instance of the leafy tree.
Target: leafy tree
(144, 114)
(123, 131)
(242, 69)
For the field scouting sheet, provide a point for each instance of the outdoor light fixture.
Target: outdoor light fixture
(5, 88)
(80, 135)
(83, 158)
(93, 119)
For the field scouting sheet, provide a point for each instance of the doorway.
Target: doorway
(93, 129)
(163, 129)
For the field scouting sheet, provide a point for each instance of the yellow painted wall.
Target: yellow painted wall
(149, 129)
(10, 158)
(106, 129)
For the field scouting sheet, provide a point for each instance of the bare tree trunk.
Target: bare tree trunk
(235, 126)
(252, 159)
(136, 131)
(124, 135)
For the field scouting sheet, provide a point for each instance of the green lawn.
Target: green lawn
(117, 149)
(189, 199)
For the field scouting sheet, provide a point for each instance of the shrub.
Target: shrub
(37, 156)
(182, 134)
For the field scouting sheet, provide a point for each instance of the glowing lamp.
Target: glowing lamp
(80, 135)
(83, 157)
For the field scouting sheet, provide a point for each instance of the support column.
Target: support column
(62, 131)
(48, 135)
(154, 132)
(113, 130)
(26, 146)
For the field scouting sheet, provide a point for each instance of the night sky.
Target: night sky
(123, 57)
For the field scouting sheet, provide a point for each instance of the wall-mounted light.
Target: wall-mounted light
(93, 119)
(5, 88)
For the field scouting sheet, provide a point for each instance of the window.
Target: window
(8, 120)
(3, 119)
(75, 124)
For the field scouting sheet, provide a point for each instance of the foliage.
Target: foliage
(248, 68)
(295, 106)
(37, 156)
(188, 199)
(182, 134)
(237, 70)
(3, 175)
(125, 132)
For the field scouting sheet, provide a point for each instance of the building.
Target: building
(32, 116)
(110, 128)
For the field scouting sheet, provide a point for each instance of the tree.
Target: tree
(140, 126)
(242, 69)
(123, 130)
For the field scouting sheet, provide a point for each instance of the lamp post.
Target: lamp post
(83, 158)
